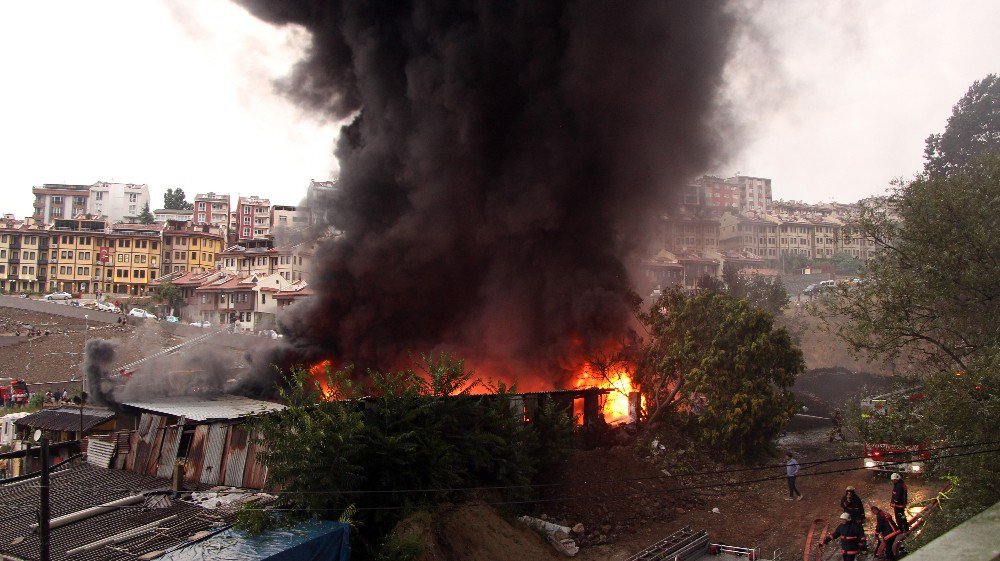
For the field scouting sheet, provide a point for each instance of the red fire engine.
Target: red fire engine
(893, 457)
(13, 390)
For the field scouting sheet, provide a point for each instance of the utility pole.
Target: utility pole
(43, 512)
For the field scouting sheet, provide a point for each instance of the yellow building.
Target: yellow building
(189, 248)
(74, 253)
(135, 255)
(23, 250)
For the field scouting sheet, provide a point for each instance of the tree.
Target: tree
(973, 130)
(845, 263)
(718, 362)
(174, 199)
(933, 284)
(766, 293)
(169, 294)
(145, 217)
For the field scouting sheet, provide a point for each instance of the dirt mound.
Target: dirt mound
(473, 532)
(824, 389)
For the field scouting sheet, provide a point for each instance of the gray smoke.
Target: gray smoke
(99, 359)
(501, 170)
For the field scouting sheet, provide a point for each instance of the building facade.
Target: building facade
(212, 209)
(253, 218)
(117, 201)
(54, 201)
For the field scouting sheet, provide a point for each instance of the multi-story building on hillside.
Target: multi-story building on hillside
(690, 230)
(136, 256)
(57, 200)
(189, 247)
(319, 199)
(288, 222)
(23, 257)
(755, 193)
(77, 262)
(164, 214)
(711, 192)
(117, 201)
(290, 262)
(213, 209)
(253, 218)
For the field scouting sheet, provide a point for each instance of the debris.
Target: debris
(716, 511)
(578, 529)
(563, 543)
(557, 535)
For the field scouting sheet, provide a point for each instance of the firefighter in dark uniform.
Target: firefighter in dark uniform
(852, 504)
(898, 502)
(852, 537)
(886, 531)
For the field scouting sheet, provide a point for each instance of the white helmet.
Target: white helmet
(895, 477)
(845, 516)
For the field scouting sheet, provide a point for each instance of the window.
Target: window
(57, 200)
(131, 209)
(133, 197)
(201, 206)
(246, 219)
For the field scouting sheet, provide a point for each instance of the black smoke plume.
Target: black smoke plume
(500, 169)
(99, 358)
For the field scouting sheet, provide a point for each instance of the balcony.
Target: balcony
(244, 306)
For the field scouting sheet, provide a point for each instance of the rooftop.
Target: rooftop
(66, 418)
(200, 409)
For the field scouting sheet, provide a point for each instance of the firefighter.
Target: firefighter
(886, 531)
(852, 537)
(852, 504)
(899, 500)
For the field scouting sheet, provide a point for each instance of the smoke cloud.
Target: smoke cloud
(501, 166)
(99, 358)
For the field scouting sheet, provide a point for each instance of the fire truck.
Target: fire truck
(889, 457)
(13, 390)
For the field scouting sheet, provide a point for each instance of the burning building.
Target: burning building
(499, 164)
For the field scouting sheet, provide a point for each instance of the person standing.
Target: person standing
(899, 500)
(852, 504)
(851, 535)
(791, 471)
(886, 531)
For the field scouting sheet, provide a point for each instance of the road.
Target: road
(58, 308)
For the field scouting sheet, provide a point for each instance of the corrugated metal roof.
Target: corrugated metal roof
(200, 409)
(66, 418)
(81, 486)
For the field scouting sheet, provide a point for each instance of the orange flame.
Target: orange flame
(617, 378)
(319, 373)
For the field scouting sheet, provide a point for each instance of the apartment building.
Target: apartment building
(712, 192)
(135, 257)
(319, 198)
(755, 193)
(259, 258)
(58, 200)
(80, 257)
(750, 233)
(213, 209)
(164, 214)
(252, 219)
(117, 201)
(288, 222)
(23, 257)
(683, 230)
(189, 247)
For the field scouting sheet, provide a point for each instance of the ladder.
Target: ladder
(127, 369)
(682, 545)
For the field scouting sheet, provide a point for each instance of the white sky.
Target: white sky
(177, 93)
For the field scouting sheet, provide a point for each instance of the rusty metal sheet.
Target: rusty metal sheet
(156, 432)
(168, 451)
(236, 456)
(145, 434)
(195, 458)
(215, 443)
(255, 473)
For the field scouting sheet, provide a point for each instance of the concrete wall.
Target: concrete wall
(973, 540)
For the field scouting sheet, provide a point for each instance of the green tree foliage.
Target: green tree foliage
(419, 429)
(174, 199)
(719, 363)
(933, 286)
(932, 296)
(973, 130)
(169, 294)
(764, 292)
(845, 263)
(145, 216)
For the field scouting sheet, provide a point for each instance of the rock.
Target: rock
(716, 511)
(578, 529)
(544, 517)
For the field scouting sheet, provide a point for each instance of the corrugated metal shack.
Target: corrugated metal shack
(203, 434)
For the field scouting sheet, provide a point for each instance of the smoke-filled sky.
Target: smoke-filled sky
(178, 94)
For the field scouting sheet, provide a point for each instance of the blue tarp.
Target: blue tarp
(310, 541)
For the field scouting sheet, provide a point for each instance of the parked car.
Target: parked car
(810, 290)
(201, 324)
(108, 307)
(59, 296)
(140, 313)
(173, 319)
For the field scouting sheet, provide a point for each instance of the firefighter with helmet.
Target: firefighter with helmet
(852, 504)
(898, 502)
(852, 537)
(887, 533)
